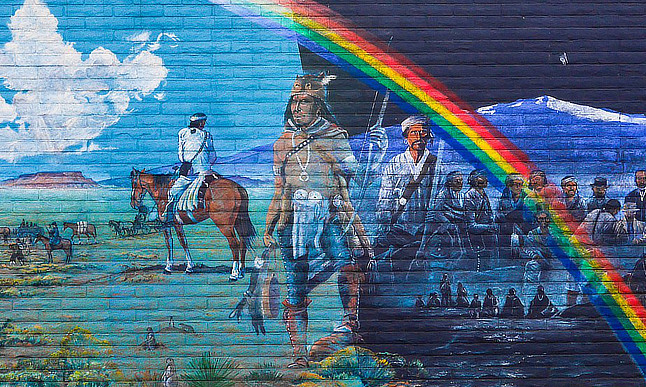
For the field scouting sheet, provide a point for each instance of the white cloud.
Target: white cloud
(7, 112)
(61, 100)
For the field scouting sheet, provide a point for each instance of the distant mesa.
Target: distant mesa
(51, 180)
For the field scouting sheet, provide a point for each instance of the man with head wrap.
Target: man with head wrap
(405, 193)
(196, 153)
(573, 202)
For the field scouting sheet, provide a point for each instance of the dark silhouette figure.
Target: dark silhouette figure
(462, 300)
(433, 301)
(475, 307)
(445, 290)
(541, 306)
(490, 305)
(419, 302)
(150, 343)
(17, 256)
(513, 307)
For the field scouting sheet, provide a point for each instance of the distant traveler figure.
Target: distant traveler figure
(197, 155)
(169, 377)
(17, 255)
(150, 343)
(638, 196)
(433, 301)
(54, 234)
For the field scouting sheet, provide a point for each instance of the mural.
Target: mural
(436, 244)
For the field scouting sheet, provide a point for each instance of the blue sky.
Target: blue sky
(152, 66)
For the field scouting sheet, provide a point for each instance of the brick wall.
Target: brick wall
(95, 92)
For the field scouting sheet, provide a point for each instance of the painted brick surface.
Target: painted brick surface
(323, 237)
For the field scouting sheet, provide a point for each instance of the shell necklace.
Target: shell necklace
(303, 176)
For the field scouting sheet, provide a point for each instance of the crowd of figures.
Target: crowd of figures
(539, 307)
(315, 222)
(21, 240)
(467, 229)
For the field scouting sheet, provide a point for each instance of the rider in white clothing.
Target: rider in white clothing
(197, 154)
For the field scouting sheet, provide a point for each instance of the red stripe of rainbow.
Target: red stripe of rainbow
(332, 37)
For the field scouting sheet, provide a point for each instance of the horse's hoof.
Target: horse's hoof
(189, 270)
(241, 275)
(166, 272)
(233, 278)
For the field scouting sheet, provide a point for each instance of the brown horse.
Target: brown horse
(89, 230)
(65, 245)
(226, 203)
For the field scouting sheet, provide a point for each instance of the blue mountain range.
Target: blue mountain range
(562, 138)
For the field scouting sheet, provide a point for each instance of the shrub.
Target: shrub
(266, 373)
(208, 371)
(355, 363)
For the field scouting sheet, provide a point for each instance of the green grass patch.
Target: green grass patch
(208, 371)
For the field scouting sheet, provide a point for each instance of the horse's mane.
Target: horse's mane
(161, 180)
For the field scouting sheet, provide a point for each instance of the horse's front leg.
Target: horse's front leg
(168, 236)
(182, 241)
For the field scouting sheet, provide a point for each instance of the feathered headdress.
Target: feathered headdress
(313, 85)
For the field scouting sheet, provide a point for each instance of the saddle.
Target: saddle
(193, 197)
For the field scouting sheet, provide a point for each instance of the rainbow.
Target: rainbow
(330, 36)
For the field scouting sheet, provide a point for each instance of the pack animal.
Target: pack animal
(81, 229)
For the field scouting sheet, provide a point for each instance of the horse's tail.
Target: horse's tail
(243, 226)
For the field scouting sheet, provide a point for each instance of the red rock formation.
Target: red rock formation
(51, 180)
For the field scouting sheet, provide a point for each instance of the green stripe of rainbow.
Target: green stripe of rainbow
(333, 37)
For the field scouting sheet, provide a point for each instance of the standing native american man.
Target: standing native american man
(311, 211)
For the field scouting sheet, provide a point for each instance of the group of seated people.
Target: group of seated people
(513, 307)
(516, 226)
(518, 231)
